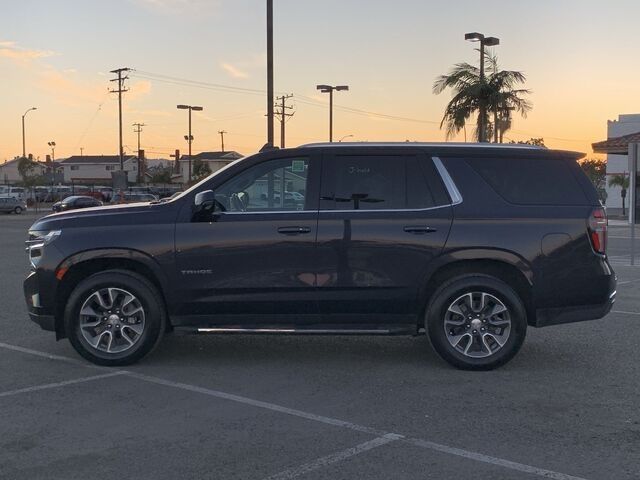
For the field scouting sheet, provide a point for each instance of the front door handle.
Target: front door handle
(293, 230)
(418, 229)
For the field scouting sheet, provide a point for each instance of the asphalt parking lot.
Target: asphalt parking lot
(251, 407)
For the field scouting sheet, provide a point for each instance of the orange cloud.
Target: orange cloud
(233, 71)
(10, 50)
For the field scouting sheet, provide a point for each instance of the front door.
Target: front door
(253, 261)
(384, 216)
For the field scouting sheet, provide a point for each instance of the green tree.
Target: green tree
(596, 170)
(26, 167)
(538, 142)
(161, 175)
(496, 91)
(620, 180)
(200, 169)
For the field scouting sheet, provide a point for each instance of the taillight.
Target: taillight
(598, 230)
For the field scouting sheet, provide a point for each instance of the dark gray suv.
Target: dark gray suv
(470, 244)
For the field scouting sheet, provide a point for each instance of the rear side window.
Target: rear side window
(381, 182)
(531, 181)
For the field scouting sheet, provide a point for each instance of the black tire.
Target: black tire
(454, 289)
(17, 210)
(150, 300)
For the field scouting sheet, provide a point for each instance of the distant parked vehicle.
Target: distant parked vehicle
(12, 205)
(133, 198)
(15, 192)
(75, 202)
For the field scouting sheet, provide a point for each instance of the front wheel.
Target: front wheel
(114, 317)
(476, 322)
(17, 210)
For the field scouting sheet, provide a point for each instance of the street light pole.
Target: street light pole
(482, 115)
(24, 150)
(52, 144)
(330, 89)
(190, 137)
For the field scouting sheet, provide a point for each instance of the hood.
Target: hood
(127, 214)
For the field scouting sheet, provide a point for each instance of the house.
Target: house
(215, 160)
(89, 169)
(619, 135)
(9, 173)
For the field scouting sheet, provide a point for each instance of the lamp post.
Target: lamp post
(489, 42)
(329, 89)
(189, 138)
(24, 150)
(52, 144)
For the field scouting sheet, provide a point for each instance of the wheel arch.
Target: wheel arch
(505, 266)
(81, 265)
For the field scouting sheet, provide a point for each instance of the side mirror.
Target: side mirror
(205, 207)
(205, 200)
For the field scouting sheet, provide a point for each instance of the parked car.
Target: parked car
(133, 198)
(12, 205)
(75, 202)
(15, 192)
(468, 244)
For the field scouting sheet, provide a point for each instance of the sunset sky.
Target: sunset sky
(579, 57)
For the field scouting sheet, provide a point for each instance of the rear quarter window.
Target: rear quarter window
(531, 181)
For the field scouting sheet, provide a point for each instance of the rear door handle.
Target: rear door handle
(418, 229)
(293, 230)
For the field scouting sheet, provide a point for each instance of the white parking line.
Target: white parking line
(500, 462)
(334, 458)
(59, 384)
(319, 418)
(260, 404)
(626, 313)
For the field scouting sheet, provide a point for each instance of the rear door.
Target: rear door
(384, 216)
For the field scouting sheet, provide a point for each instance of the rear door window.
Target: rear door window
(380, 182)
(531, 181)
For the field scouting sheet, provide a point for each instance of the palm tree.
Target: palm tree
(620, 180)
(496, 91)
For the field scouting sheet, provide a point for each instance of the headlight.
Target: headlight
(36, 243)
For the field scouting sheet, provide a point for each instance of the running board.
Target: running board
(399, 330)
(293, 331)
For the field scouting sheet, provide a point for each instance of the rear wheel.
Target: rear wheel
(476, 322)
(114, 317)
(17, 210)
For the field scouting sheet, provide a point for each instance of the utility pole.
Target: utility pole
(222, 132)
(120, 79)
(270, 72)
(138, 129)
(189, 138)
(82, 151)
(282, 115)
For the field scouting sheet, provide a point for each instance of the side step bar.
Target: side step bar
(294, 331)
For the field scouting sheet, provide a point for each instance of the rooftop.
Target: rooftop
(232, 155)
(616, 145)
(96, 159)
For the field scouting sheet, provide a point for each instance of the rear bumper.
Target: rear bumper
(556, 316)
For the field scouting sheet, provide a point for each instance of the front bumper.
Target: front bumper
(37, 313)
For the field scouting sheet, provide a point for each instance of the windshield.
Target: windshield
(206, 179)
